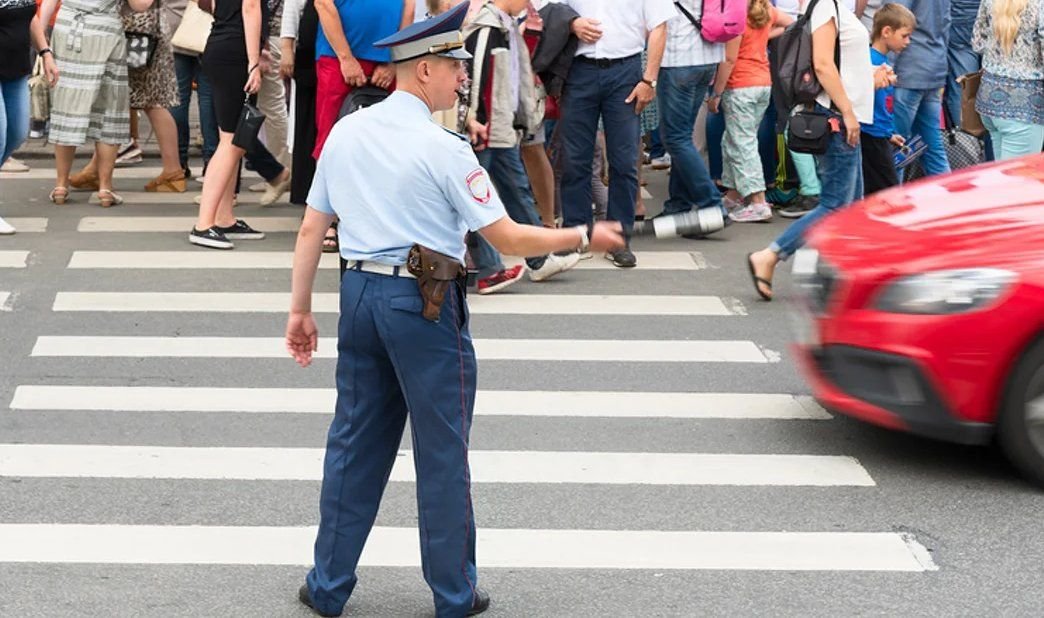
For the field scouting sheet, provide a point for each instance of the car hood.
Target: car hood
(990, 215)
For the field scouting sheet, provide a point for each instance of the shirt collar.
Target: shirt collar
(410, 102)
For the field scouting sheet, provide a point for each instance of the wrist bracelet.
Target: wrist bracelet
(253, 68)
(46, 50)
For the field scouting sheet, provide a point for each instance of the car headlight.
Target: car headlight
(945, 291)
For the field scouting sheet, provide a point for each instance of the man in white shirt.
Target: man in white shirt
(688, 68)
(607, 81)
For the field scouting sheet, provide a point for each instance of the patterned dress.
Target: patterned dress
(157, 84)
(91, 99)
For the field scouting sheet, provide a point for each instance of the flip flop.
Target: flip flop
(758, 281)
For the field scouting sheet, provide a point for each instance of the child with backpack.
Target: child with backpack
(743, 90)
(893, 25)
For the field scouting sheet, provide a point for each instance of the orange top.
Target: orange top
(752, 64)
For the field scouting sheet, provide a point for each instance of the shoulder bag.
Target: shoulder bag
(194, 29)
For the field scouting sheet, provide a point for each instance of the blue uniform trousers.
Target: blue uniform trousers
(390, 360)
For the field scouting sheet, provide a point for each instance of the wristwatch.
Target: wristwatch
(650, 83)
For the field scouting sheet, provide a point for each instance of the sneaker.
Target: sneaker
(13, 165)
(622, 258)
(129, 155)
(780, 197)
(500, 280)
(210, 237)
(258, 187)
(36, 133)
(661, 163)
(274, 193)
(752, 213)
(554, 265)
(240, 231)
(6, 228)
(804, 205)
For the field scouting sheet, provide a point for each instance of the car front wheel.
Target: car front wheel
(1021, 422)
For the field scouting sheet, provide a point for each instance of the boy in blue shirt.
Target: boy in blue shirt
(893, 25)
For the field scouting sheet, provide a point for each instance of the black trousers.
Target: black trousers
(878, 164)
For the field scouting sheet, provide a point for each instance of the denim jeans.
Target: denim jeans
(681, 91)
(841, 174)
(509, 178)
(14, 115)
(599, 92)
(188, 68)
(917, 112)
(1013, 138)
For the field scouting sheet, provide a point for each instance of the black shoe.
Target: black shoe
(241, 231)
(622, 258)
(481, 602)
(210, 237)
(804, 205)
(304, 596)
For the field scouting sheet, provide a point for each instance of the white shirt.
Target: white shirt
(857, 73)
(685, 46)
(626, 24)
(869, 12)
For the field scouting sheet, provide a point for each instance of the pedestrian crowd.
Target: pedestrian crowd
(567, 102)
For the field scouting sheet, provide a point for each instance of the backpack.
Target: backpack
(720, 20)
(794, 72)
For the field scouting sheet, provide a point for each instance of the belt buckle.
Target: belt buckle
(604, 63)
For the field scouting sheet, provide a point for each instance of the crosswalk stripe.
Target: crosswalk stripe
(28, 224)
(497, 548)
(177, 224)
(254, 260)
(593, 350)
(579, 404)
(505, 304)
(3, 299)
(13, 259)
(306, 464)
(121, 173)
(144, 198)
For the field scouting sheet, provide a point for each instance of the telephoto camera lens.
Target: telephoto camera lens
(695, 222)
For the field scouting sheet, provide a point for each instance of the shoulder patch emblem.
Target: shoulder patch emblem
(478, 186)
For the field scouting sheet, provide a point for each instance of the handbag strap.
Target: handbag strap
(684, 11)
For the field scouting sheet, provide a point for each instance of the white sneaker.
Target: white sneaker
(13, 165)
(662, 163)
(554, 265)
(6, 228)
(258, 187)
(129, 155)
(274, 193)
(752, 213)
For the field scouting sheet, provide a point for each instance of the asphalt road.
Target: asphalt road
(715, 489)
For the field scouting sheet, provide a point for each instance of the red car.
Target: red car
(923, 309)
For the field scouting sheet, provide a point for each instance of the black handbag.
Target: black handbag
(142, 33)
(249, 125)
(809, 132)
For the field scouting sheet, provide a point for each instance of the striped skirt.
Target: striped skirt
(91, 100)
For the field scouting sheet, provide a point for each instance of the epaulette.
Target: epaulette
(459, 136)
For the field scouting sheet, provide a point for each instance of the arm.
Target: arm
(823, 43)
(721, 78)
(643, 92)
(252, 34)
(780, 23)
(409, 7)
(982, 28)
(302, 336)
(330, 21)
(47, 9)
(511, 238)
(36, 32)
(384, 74)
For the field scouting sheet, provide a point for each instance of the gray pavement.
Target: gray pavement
(978, 521)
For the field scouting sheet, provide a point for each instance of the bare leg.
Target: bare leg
(221, 180)
(225, 216)
(542, 177)
(757, 198)
(63, 159)
(105, 156)
(167, 137)
(764, 263)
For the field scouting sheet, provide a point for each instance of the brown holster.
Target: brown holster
(435, 273)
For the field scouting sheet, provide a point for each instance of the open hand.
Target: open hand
(607, 236)
(302, 337)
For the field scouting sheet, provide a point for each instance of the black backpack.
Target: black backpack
(798, 84)
(360, 98)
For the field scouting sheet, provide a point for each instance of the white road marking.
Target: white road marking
(515, 304)
(32, 225)
(487, 403)
(486, 349)
(497, 548)
(121, 173)
(3, 300)
(177, 224)
(13, 259)
(545, 467)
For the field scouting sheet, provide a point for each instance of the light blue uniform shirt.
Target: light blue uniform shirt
(395, 178)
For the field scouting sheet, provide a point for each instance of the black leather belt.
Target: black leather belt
(605, 63)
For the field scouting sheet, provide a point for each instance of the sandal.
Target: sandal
(59, 195)
(758, 281)
(107, 198)
(84, 181)
(330, 242)
(173, 182)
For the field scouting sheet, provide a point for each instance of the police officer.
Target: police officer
(396, 179)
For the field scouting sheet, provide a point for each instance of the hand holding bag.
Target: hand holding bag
(39, 93)
(249, 125)
(194, 30)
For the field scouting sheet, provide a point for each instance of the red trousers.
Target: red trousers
(331, 91)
